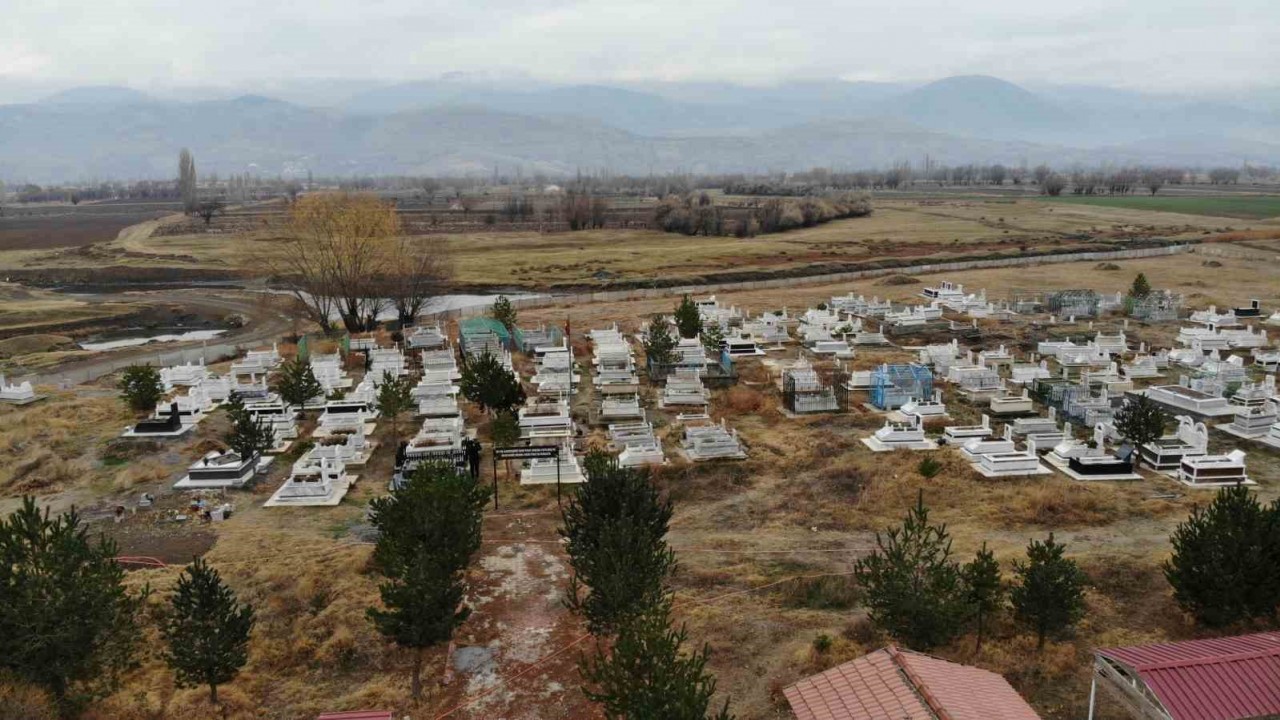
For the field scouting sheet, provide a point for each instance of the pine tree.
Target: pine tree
(1225, 565)
(488, 384)
(206, 631)
(1048, 595)
(1140, 421)
(713, 339)
(688, 319)
(648, 675)
(913, 587)
(659, 345)
(1141, 287)
(504, 312)
(983, 588)
(615, 526)
(428, 531)
(67, 624)
(505, 429)
(248, 436)
(140, 387)
(298, 384)
(395, 397)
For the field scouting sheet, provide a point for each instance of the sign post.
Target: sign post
(537, 452)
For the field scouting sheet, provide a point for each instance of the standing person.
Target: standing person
(472, 448)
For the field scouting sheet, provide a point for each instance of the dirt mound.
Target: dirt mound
(28, 344)
(1106, 266)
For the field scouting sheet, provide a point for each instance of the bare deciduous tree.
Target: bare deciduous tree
(208, 209)
(340, 248)
(1053, 184)
(418, 273)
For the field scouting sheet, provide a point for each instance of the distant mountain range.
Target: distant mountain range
(465, 126)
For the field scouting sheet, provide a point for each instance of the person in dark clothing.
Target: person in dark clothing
(471, 447)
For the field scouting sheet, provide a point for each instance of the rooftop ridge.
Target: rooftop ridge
(917, 683)
(1206, 660)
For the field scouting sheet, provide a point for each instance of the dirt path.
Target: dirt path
(264, 324)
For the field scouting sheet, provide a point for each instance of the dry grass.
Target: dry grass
(27, 344)
(25, 310)
(765, 545)
(898, 228)
(23, 702)
(1238, 280)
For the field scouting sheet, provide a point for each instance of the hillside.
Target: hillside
(980, 106)
(457, 127)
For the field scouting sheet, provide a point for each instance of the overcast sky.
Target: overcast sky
(1167, 45)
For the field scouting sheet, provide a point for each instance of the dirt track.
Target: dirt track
(264, 324)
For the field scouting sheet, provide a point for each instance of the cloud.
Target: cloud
(1157, 44)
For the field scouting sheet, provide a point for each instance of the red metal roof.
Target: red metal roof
(357, 715)
(893, 684)
(1228, 678)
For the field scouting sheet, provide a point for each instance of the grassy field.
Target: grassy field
(898, 230)
(1247, 207)
(1230, 282)
(26, 310)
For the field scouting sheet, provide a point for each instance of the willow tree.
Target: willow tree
(419, 272)
(340, 250)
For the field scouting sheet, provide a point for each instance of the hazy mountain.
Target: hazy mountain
(98, 95)
(469, 125)
(979, 106)
(629, 109)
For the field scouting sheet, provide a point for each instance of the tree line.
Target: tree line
(700, 214)
(69, 626)
(1224, 570)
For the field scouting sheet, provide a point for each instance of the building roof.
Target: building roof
(1219, 679)
(894, 684)
(357, 715)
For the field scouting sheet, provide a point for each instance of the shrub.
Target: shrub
(822, 643)
(929, 467)
(835, 592)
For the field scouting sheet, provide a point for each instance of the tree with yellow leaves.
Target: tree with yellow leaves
(344, 256)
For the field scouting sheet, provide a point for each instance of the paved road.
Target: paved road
(265, 324)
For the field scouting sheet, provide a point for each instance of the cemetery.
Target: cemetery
(1020, 416)
(1037, 393)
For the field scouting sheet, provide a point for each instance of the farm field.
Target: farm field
(765, 546)
(1247, 207)
(898, 231)
(38, 227)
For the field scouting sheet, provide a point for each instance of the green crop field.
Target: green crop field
(1248, 207)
